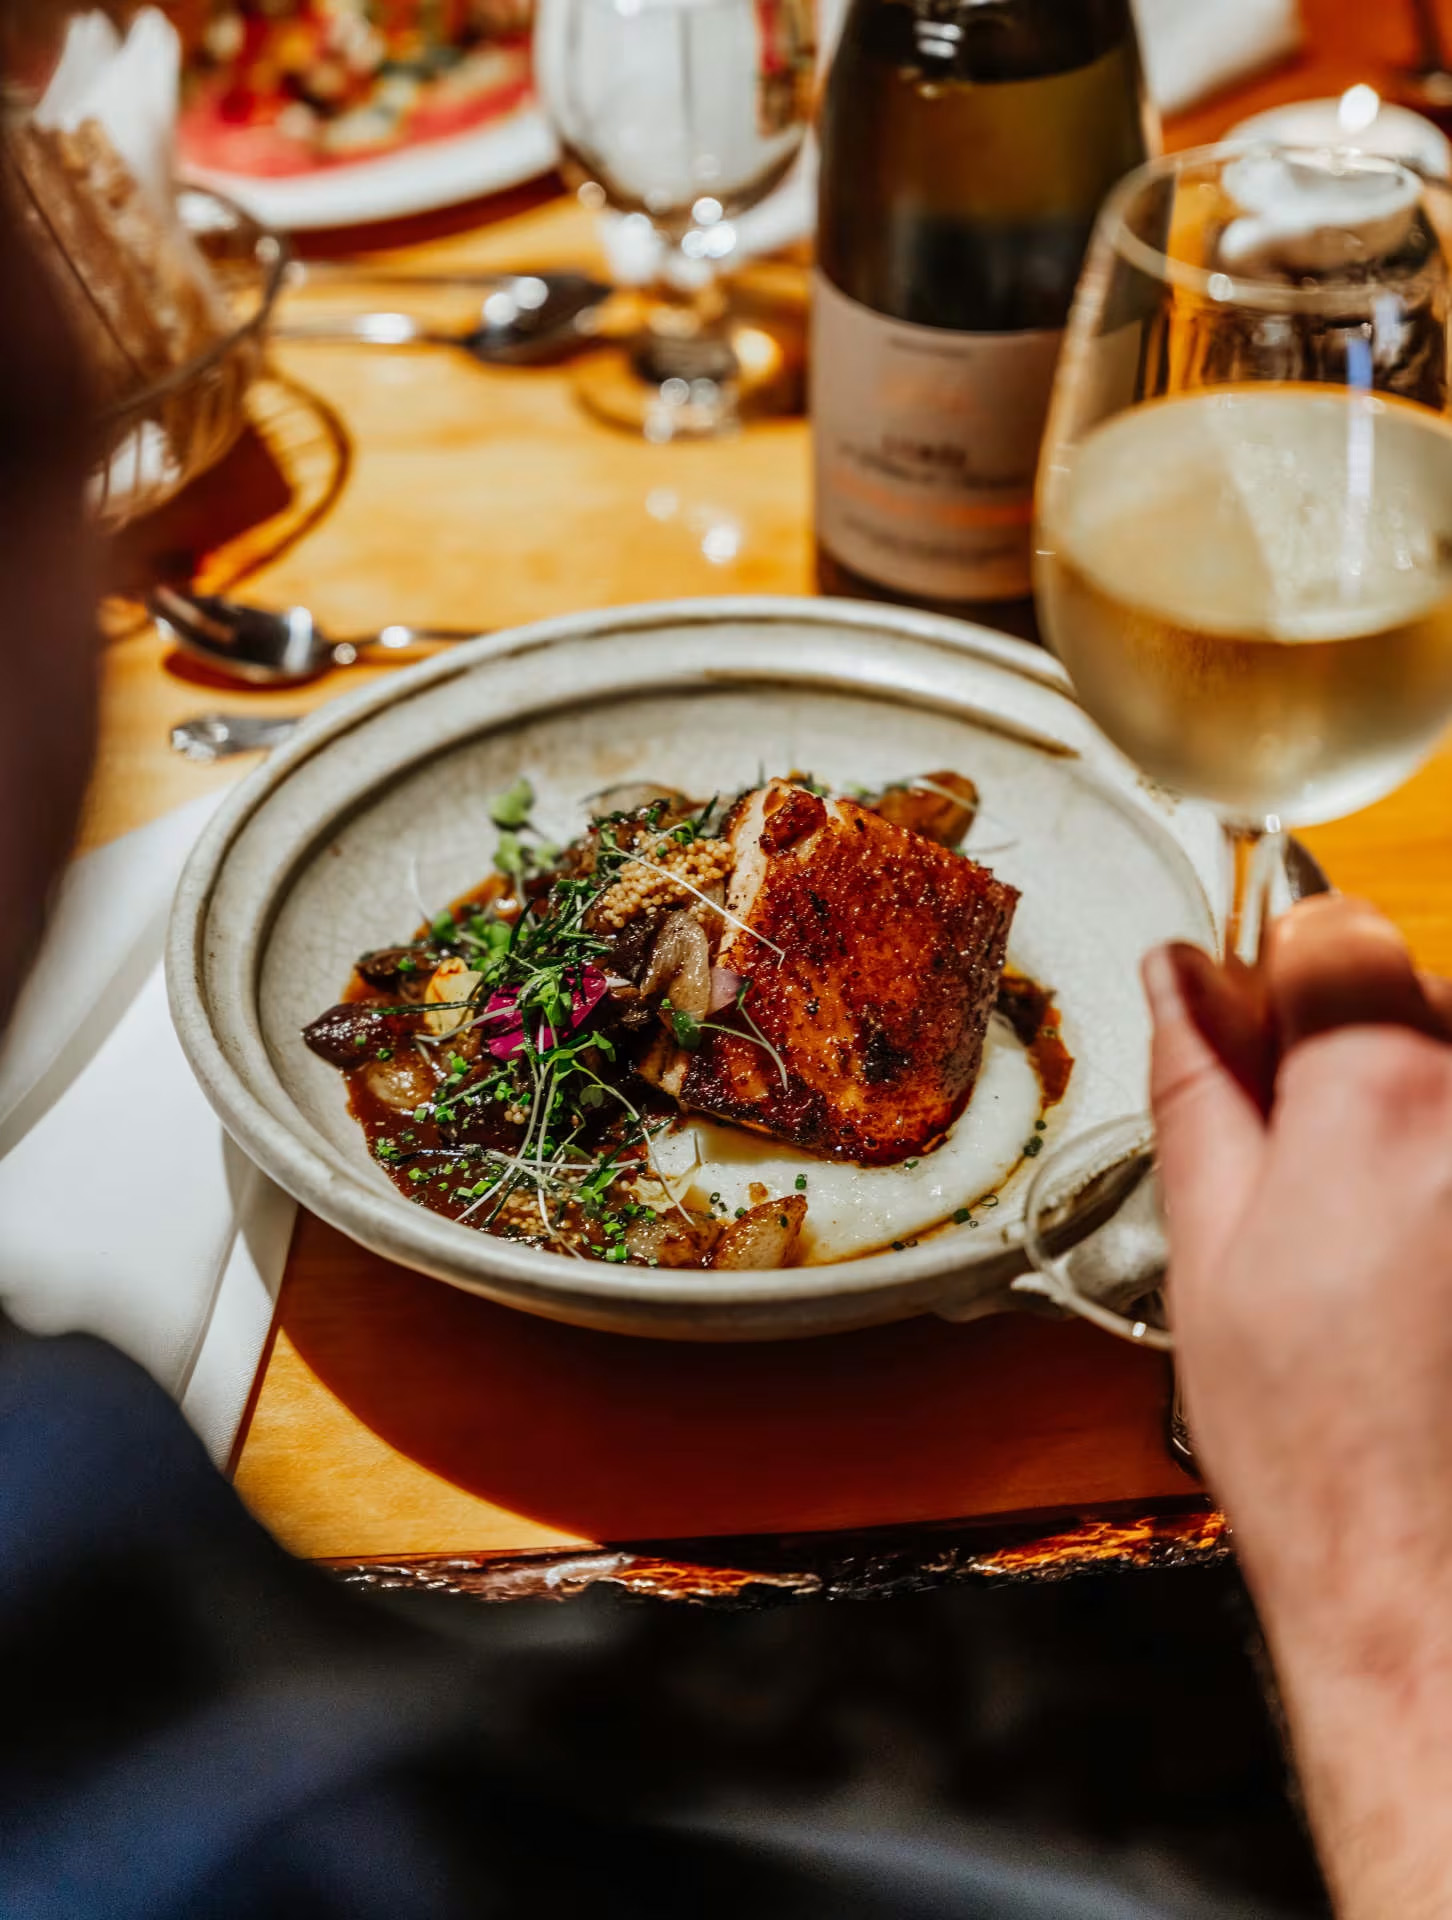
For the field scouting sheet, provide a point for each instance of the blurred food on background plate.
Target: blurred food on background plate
(278, 89)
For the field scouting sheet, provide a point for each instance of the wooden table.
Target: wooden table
(407, 1432)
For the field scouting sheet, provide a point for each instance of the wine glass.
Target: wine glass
(1243, 541)
(681, 114)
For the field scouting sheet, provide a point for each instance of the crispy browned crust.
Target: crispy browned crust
(891, 951)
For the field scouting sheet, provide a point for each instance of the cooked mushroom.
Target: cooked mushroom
(940, 806)
(403, 1082)
(669, 1240)
(680, 966)
(765, 1237)
(633, 796)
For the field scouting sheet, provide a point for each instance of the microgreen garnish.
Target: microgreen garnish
(512, 808)
(509, 856)
(528, 1130)
(686, 1027)
(540, 980)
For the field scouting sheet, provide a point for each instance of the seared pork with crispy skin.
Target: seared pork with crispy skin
(868, 959)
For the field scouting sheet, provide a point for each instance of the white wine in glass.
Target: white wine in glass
(1252, 589)
(1243, 540)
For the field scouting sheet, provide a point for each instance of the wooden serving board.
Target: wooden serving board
(398, 1418)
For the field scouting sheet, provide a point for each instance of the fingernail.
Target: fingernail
(1164, 983)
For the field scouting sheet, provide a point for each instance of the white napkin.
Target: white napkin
(131, 86)
(124, 1209)
(1193, 48)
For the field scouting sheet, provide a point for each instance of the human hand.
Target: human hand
(1304, 1121)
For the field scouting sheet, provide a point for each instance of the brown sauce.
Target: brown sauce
(451, 1171)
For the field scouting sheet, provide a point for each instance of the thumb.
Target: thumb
(1210, 1077)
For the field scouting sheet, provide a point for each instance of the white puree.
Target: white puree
(854, 1210)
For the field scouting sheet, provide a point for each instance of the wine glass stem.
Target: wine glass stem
(1256, 854)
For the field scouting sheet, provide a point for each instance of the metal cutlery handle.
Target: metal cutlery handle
(373, 329)
(400, 639)
(216, 736)
(367, 273)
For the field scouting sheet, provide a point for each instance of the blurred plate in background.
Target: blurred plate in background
(414, 179)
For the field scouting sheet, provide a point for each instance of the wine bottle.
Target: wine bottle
(965, 148)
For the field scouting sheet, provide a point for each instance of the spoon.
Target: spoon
(526, 319)
(264, 648)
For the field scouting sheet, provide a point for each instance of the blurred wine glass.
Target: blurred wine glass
(681, 113)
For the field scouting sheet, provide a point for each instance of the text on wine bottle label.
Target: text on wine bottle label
(926, 443)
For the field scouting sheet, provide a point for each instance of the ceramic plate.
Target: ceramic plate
(391, 186)
(317, 856)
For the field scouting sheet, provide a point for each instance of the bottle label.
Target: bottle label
(925, 445)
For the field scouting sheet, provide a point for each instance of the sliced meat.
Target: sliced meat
(630, 950)
(402, 970)
(871, 969)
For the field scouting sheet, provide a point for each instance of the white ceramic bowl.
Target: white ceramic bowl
(312, 860)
